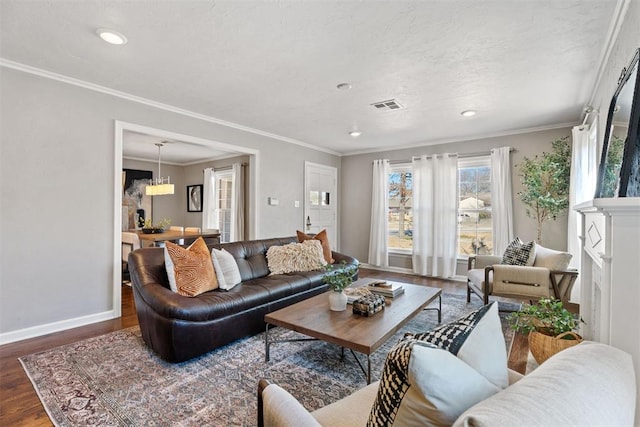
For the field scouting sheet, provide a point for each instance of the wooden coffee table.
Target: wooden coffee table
(313, 318)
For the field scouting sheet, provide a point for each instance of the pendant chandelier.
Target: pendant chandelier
(158, 186)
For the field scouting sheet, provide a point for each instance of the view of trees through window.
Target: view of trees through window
(475, 230)
(400, 208)
(475, 235)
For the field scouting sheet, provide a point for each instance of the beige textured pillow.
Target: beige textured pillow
(322, 238)
(305, 256)
(551, 259)
(190, 271)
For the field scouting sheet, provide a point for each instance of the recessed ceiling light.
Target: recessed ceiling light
(344, 86)
(468, 113)
(355, 133)
(111, 36)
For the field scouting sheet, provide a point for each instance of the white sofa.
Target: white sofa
(589, 384)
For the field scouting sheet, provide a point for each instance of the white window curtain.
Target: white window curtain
(378, 246)
(237, 203)
(208, 200)
(582, 187)
(435, 206)
(501, 199)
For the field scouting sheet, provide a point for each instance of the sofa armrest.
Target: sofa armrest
(482, 261)
(349, 260)
(278, 408)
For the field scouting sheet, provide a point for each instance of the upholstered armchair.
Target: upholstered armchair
(549, 276)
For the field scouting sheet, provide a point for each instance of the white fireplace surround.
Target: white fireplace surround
(610, 275)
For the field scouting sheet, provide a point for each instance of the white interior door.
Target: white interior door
(321, 200)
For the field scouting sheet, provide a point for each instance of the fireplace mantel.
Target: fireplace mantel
(610, 275)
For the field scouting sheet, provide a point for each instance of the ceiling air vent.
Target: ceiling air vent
(388, 105)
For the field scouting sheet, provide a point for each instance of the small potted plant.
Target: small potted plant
(338, 278)
(550, 326)
(150, 228)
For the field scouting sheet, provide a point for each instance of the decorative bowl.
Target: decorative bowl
(154, 230)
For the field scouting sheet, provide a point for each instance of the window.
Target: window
(475, 230)
(223, 197)
(400, 216)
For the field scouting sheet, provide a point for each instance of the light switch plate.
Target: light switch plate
(273, 201)
(296, 204)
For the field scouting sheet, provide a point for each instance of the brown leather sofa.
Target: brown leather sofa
(179, 328)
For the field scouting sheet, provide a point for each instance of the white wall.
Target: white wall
(356, 190)
(57, 189)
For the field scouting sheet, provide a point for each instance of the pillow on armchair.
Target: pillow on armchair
(551, 259)
(519, 253)
(433, 377)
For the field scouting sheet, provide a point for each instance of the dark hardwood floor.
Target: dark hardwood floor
(19, 403)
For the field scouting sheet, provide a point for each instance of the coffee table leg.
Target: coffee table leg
(266, 344)
(368, 369)
(439, 309)
(341, 353)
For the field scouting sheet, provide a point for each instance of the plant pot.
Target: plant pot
(337, 301)
(544, 346)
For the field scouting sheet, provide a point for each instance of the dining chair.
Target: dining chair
(130, 242)
(180, 229)
(191, 230)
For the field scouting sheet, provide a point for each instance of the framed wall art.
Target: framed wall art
(194, 198)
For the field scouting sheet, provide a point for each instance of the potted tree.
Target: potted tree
(550, 326)
(338, 278)
(545, 181)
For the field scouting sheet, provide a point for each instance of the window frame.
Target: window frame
(470, 162)
(217, 177)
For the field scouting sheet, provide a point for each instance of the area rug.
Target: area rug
(115, 380)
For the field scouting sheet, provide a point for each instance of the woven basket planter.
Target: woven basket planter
(544, 346)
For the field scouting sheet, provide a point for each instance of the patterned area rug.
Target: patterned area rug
(115, 380)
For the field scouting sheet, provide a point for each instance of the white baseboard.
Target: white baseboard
(62, 325)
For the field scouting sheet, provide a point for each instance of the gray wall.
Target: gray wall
(57, 190)
(356, 190)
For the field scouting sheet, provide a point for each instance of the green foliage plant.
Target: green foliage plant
(161, 225)
(548, 316)
(545, 181)
(613, 164)
(339, 276)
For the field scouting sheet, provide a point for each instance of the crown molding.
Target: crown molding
(452, 140)
(149, 102)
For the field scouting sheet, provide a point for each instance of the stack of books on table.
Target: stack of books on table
(386, 289)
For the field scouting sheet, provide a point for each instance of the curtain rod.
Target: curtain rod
(587, 112)
(460, 156)
(224, 168)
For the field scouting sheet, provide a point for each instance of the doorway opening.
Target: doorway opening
(123, 131)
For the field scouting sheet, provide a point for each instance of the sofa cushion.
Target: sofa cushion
(305, 256)
(589, 384)
(519, 253)
(351, 411)
(551, 259)
(226, 269)
(323, 238)
(190, 271)
(424, 374)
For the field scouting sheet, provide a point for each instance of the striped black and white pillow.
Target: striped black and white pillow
(431, 378)
(519, 253)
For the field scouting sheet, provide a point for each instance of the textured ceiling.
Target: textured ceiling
(274, 65)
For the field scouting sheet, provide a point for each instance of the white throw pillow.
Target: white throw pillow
(226, 269)
(552, 259)
(429, 379)
(305, 256)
